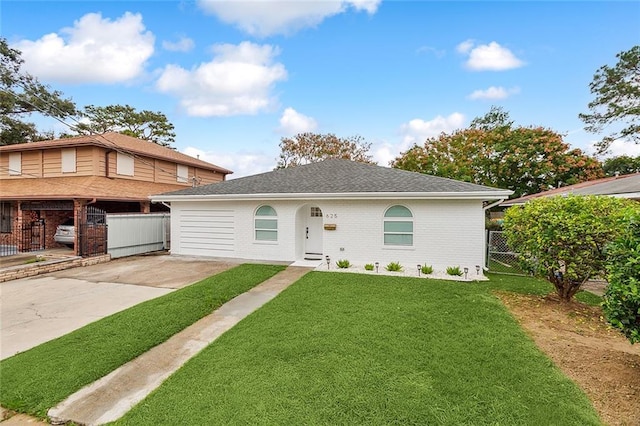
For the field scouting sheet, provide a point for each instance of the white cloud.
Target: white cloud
(385, 153)
(617, 148)
(465, 46)
(238, 80)
(488, 57)
(417, 130)
(184, 44)
(242, 163)
(494, 93)
(268, 17)
(438, 53)
(292, 122)
(94, 50)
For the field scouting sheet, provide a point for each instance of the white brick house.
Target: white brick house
(334, 208)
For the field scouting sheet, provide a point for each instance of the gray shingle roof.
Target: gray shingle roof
(335, 176)
(626, 186)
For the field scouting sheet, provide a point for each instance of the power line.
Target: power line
(108, 144)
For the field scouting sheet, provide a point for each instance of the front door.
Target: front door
(313, 233)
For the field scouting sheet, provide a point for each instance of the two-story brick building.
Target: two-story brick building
(51, 181)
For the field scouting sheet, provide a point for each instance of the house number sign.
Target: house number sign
(331, 216)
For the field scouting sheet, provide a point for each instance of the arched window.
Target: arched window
(398, 226)
(266, 224)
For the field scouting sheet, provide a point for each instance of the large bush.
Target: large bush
(563, 238)
(622, 299)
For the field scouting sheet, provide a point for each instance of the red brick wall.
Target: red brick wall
(53, 218)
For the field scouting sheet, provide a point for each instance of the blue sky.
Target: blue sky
(235, 77)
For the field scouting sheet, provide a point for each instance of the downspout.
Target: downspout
(493, 204)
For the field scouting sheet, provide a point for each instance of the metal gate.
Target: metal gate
(500, 258)
(92, 232)
(24, 238)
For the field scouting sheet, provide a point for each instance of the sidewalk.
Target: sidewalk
(111, 397)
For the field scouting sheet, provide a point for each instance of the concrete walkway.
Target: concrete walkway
(111, 397)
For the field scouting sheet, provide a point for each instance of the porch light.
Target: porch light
(328, 262)
(466, 271)
(477, 269)
(377, 264)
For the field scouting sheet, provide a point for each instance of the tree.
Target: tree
(563, 238)
(491, 152)
(21, 94)
(617, 99)
(306, 148)
(622, 299)
(622, 165)
(148, 125)
(496, 118)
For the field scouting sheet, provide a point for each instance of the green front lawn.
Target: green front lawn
(38, 379)
(358, 349)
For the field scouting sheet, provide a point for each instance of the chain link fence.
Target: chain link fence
(500, 258)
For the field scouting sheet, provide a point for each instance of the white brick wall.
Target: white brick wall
(446, 232)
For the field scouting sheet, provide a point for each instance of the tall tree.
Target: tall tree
(617, 99)
(491, 152)
(21, 94)
(496, 118)
(306, 148)
(621, 165)
(148, 125)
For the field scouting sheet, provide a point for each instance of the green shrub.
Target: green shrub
(563, 238)
(394, 267)
(426, 269)
(621, 304)
(343, 263)
(454, 270)
(368, 267)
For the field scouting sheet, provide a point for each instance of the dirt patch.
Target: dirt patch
(599, 359)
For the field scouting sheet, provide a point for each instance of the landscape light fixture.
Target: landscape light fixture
(477, 269)
(328, 262)
(419, 267)
(377, 264)
(466, 271)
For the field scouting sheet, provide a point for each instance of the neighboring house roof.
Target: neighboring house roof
(118, 142)
(81, 187)
(624, 186)
(338, 179)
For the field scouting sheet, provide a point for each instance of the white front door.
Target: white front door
(313, 231)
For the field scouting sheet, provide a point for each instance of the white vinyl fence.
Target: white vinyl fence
(130, 234)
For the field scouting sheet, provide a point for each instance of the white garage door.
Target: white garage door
(207, 232)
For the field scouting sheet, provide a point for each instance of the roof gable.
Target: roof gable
(337, 177)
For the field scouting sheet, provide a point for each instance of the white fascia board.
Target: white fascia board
(477, 195)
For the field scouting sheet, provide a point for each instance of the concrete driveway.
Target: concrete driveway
(41, 308)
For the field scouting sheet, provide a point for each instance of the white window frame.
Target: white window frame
(397, 219)
(124, 164)
(259, 230)
(182, 173)
(15, 163)
(68, 160)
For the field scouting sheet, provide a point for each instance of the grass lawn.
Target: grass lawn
(37, 379)
(350, 349)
